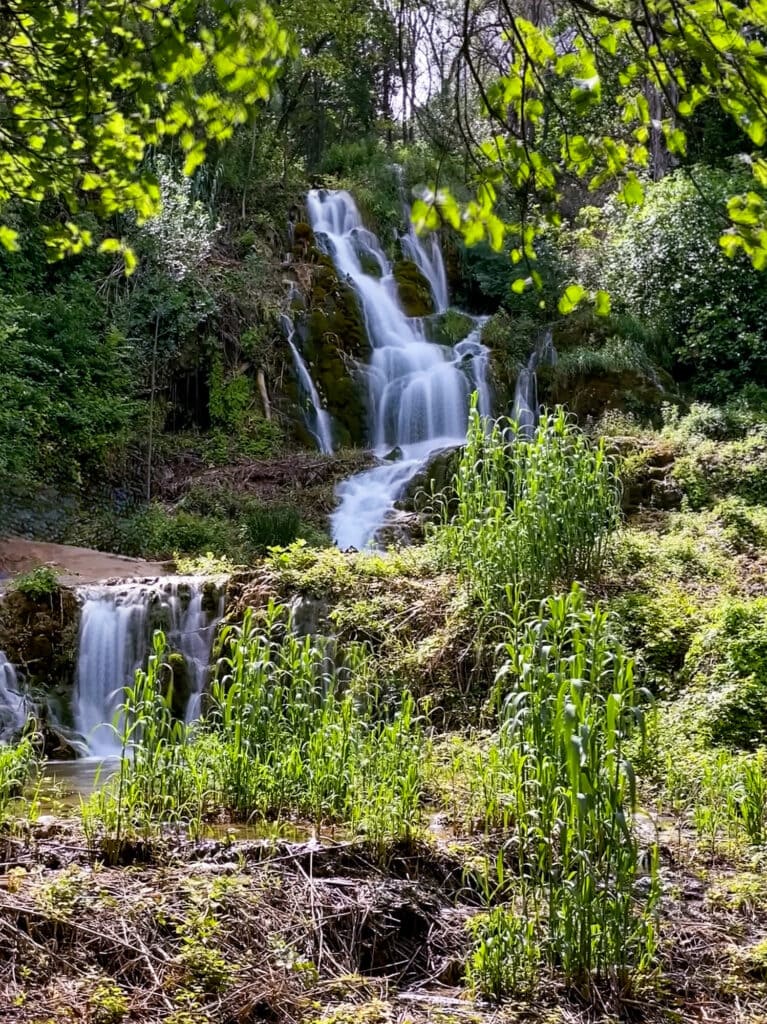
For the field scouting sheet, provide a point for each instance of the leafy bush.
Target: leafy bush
(727, 667)
(155, 532)
(533, 513)
(663, 264)
(713, 471)
(38, 583)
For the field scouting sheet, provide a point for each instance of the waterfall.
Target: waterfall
(116, 627)
(525, 405)
(418, 391)
(424, 252)
(318, 420)
(13, 707)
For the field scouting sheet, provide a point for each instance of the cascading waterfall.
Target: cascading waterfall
(525, 407)
(318, 420)
(116, 628)
(418, 390)
(13, 707)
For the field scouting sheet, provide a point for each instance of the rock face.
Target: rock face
(435, 478)
(331, 335)
(648, 474)
(39, 635)
(414, 290)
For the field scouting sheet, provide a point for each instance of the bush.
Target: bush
(38, 583)
(713, 471)
(658, 629)
(663, 264)
(155, 532)
(727, 667)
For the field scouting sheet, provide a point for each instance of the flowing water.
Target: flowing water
(317, 419)
(418, 390)
(116, 628)
(13, 707)
(525, 409)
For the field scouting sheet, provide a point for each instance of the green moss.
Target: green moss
(449, 328)
(414, 290)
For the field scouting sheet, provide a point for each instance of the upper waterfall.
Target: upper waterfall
(418, 390)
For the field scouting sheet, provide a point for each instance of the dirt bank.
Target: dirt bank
(73, 565)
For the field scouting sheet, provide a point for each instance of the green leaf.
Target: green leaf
(602, 304)
(9, 239)
(571, 298)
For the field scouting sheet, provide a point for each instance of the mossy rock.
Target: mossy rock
(433, 484)
(39, 635)
(333, 340)
(589, 395)
(414, 290)
(449, 328)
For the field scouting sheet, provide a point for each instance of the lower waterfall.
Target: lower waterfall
(116, 628)
(13, 707)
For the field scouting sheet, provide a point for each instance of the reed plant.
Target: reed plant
(18, 761)
(559, 777)
(305, 730)
(531, 514)
(294, 728)
(157, 783)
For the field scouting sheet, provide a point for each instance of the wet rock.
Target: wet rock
(400, 529)
(436, 478)
(414, 290)
(39, 636)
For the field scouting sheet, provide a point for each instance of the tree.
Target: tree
(667, 57)
(87, 88)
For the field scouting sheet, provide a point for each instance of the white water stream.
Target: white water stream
(116, 628)
(318, 420)
(418, 391)
(13, 707)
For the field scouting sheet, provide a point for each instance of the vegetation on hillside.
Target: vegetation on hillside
(522, 759)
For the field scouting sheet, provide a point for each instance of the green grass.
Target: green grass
(533, 514)
(293, 729)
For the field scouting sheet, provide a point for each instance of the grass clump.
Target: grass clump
(532, 514)
(566, 894)
(17, 763)
(294, 729)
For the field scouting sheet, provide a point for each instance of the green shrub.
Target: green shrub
(38, 583)
(712, 471)
(662, 263)
(727, 669)
(155, 532)
(745, 526)
(658, 628)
